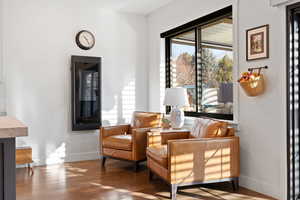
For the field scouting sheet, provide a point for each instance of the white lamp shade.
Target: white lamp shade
(176, 97)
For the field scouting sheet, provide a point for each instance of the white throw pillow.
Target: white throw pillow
(200, 126)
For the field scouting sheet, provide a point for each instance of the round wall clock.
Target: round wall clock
(85, 40)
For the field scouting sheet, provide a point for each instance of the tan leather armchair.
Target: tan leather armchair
(128, 142)
(181, 160)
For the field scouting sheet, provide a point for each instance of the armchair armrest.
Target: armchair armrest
(157, 138)
(203, 160)
(139, 142)
(114, 130)
(153, 139)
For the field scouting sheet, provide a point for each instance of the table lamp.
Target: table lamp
(176, 98)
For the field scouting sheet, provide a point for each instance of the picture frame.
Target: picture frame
(257, 44)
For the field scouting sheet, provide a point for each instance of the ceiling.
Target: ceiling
(220, 32)
(143, 7)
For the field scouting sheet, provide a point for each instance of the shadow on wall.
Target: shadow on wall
(46, 108)
(131, 72)
(58, 148)
(123, 107)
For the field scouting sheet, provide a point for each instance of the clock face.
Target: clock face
(85, 40)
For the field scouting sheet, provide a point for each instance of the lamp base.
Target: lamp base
(177, 118)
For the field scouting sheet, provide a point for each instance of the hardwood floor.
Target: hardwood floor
(117, 181)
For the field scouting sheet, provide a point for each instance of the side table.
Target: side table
(169, 130)
(24, 157)
(159, 136)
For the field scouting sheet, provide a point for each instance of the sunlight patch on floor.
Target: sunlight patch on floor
(203, 193)
(124, 191)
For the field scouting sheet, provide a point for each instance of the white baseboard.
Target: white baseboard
(82, 156)
(74, 157)
(260, 186)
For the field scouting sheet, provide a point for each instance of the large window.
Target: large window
(199, 58)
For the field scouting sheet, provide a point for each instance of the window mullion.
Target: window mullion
(168, 67)
(168, 62)
(198, 69)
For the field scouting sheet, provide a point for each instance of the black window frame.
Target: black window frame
(193, 25)
(292, 96)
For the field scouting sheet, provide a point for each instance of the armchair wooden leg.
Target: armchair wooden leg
(103, 161)
(136, 166)
(235, 184)
(173, 191)
(150, 175)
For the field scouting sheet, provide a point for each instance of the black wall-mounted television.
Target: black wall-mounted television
(86, 93)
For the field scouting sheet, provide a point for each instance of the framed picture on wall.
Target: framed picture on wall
(257, 43)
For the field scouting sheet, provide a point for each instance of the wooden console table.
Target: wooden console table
(10, 128)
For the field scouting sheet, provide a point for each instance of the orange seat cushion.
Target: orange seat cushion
(121, 142)
(159, 154)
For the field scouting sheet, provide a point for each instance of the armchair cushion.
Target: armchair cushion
(159, 154)
(121, 142)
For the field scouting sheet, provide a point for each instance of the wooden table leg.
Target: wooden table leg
(30, 169)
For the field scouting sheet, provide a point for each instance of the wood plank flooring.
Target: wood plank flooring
(117, 181)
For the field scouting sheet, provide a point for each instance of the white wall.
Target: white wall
(262, 120)
(2, 88)
(39, 39)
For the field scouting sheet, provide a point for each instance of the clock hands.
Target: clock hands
(86, 40)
